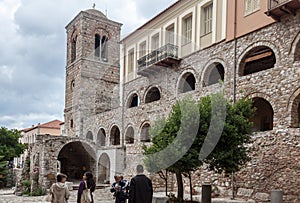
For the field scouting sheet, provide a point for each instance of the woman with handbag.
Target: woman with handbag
(59, 191)
(86, 188)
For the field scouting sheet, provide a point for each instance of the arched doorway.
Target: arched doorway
(263, 116)
(101, 137)
(115, 136)
(104, 168)
(145, 135)
(76, 158)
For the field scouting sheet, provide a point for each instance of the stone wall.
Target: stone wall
(278, 85)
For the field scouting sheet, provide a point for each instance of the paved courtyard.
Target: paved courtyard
(7, 196)
(101, 196)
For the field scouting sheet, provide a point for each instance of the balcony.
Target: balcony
(165, 56)
(279, 8)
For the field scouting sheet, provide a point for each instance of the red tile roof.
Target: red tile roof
(52, 124)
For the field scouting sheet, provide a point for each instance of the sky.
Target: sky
(33, 52)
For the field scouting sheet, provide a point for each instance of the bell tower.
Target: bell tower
(92, 68)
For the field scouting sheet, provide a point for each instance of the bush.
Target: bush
(39, 192)
(27, 185)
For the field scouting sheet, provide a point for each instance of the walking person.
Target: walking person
(120, 189)
(141, 190)
(86, 188)
(59, 190)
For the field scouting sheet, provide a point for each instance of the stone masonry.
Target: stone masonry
(93, 105)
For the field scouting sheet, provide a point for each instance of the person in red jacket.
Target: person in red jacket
(141, 189)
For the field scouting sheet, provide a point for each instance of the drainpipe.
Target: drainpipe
(234, 77)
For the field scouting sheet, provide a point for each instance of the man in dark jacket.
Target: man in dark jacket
(141, 190)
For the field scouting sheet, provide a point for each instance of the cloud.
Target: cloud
(33, 51)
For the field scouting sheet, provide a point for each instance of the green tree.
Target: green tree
(9, 148)
(3, 171)
(172, 140)
(211, 131)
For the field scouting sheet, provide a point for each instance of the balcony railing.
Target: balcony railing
(278, 8)
(166, 55)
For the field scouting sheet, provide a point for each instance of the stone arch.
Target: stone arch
(144, 132)
(89, 136)
(213, 73)
(104, 168)
(264, 115)
(76, 157)
(251, 59)
(129, 135)
(133, 100)
(295, 48)
(152, 94)
(115, 138)
(101, 137)
(294, 109)
(186, 81)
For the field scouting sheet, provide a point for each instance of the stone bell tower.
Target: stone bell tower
(92, 68)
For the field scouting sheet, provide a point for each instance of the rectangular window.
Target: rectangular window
(155, 42)
(251, 6)
(130, 61)
(207, 21)
(142, 49)
(187, 29)
(170, 34)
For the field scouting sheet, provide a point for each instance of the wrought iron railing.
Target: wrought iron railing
(166, 51)
(275, 3)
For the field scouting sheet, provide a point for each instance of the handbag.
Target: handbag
(86, 196)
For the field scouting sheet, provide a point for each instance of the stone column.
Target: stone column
(206, 193)
(276, 196)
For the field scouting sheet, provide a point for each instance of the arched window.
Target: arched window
(129, 136)
(145, 135)
(101, 137)
(73, 49)
(152, 95)
(263, 116)
(97, 45)
(187, 83)
(89, 136)
(257, 59)
(115, 136)
(104, 50)
(101, 47)
(214, 74)
(133, 100)
(295, 112)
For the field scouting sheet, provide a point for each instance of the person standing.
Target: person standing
(59, 190)
(120, 189)
(86, 185)
(141, 190)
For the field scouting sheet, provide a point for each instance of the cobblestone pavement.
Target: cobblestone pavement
(7, 196)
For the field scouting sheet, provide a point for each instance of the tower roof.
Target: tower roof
(95, 12)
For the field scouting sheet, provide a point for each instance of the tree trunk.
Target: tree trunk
(179, 185)
(166, 183)
(191, 187)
